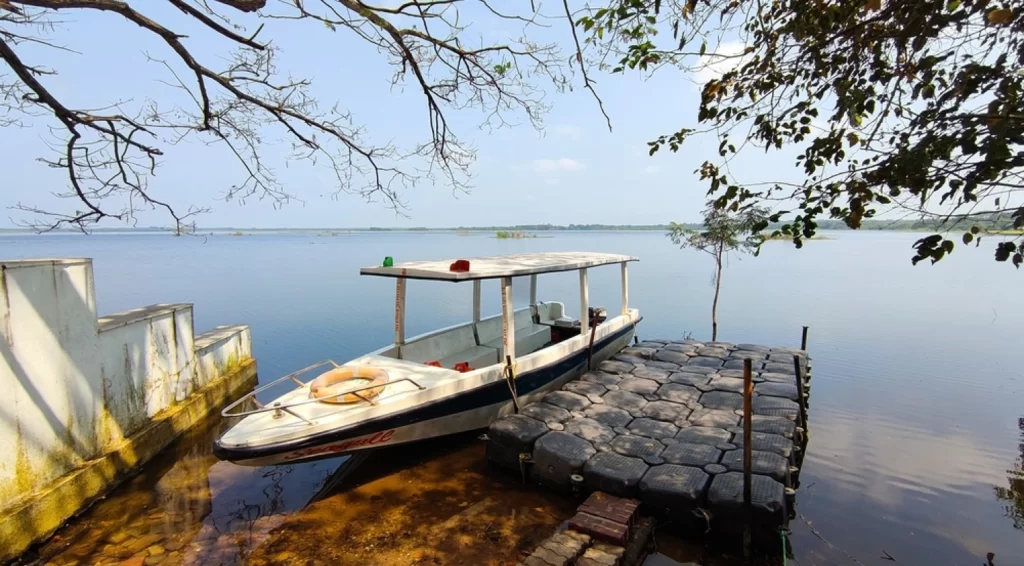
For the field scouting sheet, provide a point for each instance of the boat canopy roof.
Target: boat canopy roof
(497, 266)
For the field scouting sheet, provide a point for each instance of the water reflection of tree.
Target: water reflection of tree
(1013, 496)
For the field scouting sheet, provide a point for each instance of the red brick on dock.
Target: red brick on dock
(606, 506)
(605, 517)
(603, 529)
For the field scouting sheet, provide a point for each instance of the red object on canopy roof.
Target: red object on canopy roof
(460, 266)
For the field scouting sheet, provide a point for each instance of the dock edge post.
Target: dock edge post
(803, 339)
(802, 395)
(748, 455)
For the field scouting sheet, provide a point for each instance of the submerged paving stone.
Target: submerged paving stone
(638, 385)
(546, 412)
(512, 436)
(615, 366)
(766, 442)
(557, 456)
(585, 388)
(625, 400)
(721, 400)
(714, 418)
(690, 454)
(674, 489)
(725, 499)
(731, 384)
(689, 378)
(772, 425)
(703, 435)
(672, 356)
(614, 473)
(796, 351)
(704, 370)
(652, 428)
(567, 400)
(602, 377)
(755, 357)
(637, 446)
(662, 365)
(705, 361)
(654, 374)
(764, 463)
(773, 389)
(629, 359)
(711, 352)
(666, 411)
(682, 348)
(608, 416)
(734, 363)
(715, 469)
(776, 406)
(787, 358)
(678, 393)
(589, 430)
(779, 368)
(778, 377)
(645, 353)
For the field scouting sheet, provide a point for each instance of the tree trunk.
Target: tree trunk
(714, 304)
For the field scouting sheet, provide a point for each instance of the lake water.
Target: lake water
(917, 401)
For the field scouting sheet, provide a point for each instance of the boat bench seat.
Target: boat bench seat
(451, 346)
(476, 356)
(529, 339)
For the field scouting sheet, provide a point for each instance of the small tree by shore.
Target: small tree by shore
(723, 232)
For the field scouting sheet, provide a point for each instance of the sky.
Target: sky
(573, 170)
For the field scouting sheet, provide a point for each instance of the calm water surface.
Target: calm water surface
(916, 410)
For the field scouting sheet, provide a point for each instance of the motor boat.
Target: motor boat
(443, 382)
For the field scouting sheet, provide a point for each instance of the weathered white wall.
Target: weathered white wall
(72, 386)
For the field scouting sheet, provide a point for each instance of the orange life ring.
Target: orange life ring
(326, 384)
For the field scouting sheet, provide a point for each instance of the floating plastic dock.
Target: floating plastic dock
(661, 421)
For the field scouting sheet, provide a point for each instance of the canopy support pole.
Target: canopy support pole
(533, 299)
(399, 316)
(584, 302)
(508, 320)
(476, 310)
(625, 288)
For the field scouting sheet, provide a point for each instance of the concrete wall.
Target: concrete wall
(74, 387)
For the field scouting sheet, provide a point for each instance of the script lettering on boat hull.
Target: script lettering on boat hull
(375, 439)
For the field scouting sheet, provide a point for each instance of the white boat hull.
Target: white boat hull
(475, 402)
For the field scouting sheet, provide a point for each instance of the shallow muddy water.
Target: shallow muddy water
(436, 503)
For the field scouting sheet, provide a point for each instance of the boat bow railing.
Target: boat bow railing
(280, 408)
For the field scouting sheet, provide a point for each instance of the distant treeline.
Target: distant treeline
(535, 228)
(1002, 222)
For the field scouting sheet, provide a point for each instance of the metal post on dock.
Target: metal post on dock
(748, 455)
(801, 394)
(803, 340)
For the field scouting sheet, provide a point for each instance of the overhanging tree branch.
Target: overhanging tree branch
(108, 167)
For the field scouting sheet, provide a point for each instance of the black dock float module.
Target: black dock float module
(662, 422)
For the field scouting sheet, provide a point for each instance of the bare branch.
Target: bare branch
(579, 60)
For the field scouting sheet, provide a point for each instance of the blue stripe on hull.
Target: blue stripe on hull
(489, 394)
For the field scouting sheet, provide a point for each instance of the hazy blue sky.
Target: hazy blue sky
(574, 171)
